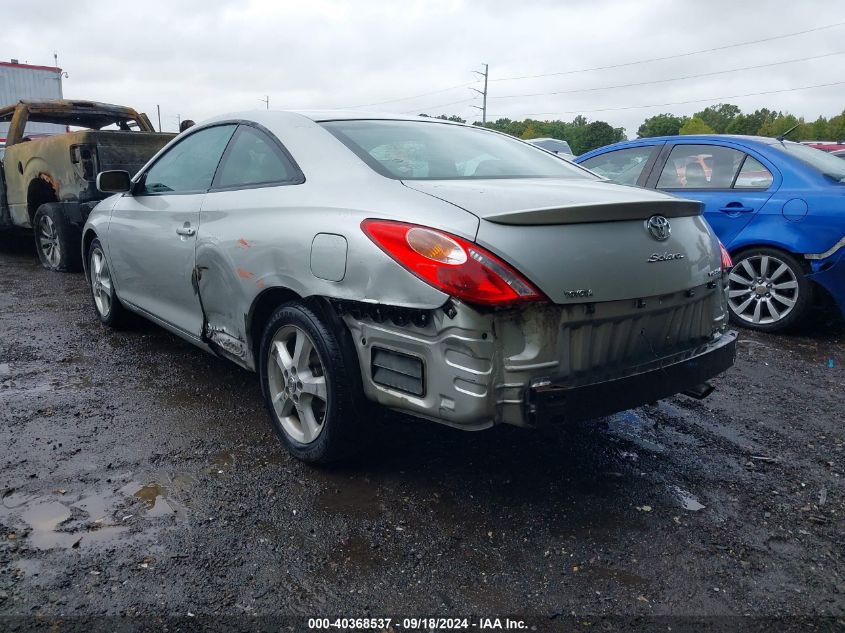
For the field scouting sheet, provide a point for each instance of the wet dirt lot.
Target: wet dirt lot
(139, 476)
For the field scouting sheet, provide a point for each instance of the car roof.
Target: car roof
(319, 116)
(711, 137)
(689, 138)
(275, 117)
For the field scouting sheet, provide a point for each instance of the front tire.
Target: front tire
(311, 381)
(108, 307)
(56, 240)
(768, 290)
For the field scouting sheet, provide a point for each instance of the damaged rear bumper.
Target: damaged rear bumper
(472, 369)
(570, 400)
(829, 272)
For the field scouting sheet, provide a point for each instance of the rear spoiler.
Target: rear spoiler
(599, 212)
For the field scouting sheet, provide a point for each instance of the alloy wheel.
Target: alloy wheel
(101, 282)
(297, 382)
(762, 289)
(48, 241)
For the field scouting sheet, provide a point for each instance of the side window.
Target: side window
(753, 175)
(623, 166)
(189, 165)
(254, 159)
(700, 167)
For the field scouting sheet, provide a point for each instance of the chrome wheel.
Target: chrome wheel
(762, 289)
(101, 282)
(297, 383)
(48, 241)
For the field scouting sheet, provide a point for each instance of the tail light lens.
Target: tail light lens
(86, 157)
(727, 262)
(459, 268)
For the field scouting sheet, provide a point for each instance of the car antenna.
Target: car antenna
(784, 135)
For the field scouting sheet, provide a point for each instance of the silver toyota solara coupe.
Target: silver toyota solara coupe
(443, 270)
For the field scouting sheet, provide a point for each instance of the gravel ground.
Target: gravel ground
(139, 477)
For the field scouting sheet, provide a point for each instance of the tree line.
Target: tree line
(724, 118)
(582, 135)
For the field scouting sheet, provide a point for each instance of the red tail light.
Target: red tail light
(727, 262)
(459, 268)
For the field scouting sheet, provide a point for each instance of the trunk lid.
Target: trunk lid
(587, 241)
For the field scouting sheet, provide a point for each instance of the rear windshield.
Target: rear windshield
(830, 166)
(419, 150)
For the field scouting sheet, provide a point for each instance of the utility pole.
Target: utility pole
(158, 110)
(266, 101)
(178, 122)
(483, 93)
(59, 73)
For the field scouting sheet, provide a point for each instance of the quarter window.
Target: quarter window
(189, 166)
(254, 159)
(700, 167)
(753, 175)
(623, 166)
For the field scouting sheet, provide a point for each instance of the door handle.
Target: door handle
(736, 207)
(186, 230)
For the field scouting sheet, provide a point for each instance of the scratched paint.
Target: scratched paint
(244, 274)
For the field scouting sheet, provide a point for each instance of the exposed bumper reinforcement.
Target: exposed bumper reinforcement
(550, 399)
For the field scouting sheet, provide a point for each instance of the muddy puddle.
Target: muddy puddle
(687, 500)
(157, 498)
(45, 523)
(58, 521)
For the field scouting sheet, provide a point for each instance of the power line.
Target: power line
(440, 105)
(672, 103)
(676, 56)
(608, 67)
(424, 94)
(660, 81)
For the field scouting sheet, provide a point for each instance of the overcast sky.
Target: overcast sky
(201, 58)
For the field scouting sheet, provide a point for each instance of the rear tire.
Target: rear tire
(106, 304)
(768, 290)
(311, 384)
(57, 242)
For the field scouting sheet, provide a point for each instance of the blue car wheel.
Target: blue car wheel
(767, 290)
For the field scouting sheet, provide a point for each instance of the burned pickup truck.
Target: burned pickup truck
(48, 182)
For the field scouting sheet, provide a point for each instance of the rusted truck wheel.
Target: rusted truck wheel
(57, 242)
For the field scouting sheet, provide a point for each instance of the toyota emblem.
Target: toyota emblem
(658, 227)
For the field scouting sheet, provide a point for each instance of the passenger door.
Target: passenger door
(152, 233)
(627, 166)
(732, 184)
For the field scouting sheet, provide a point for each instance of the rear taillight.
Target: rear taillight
(457, 267)
(86, 157)
(727, 262)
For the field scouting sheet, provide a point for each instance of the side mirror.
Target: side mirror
(116, 181)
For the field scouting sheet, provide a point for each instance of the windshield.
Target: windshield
(830, 166)
(419, 150)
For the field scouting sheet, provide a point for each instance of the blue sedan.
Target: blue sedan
(778, 206)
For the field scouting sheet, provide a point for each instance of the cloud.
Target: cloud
(198, 59)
